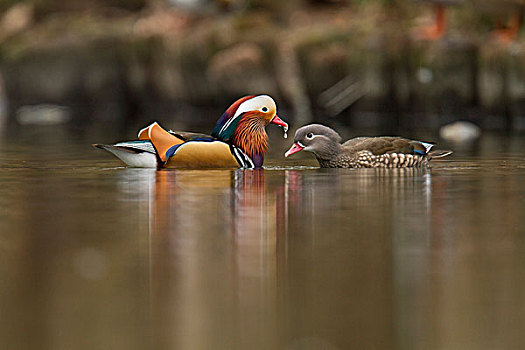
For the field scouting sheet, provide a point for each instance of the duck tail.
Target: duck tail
(438, 153)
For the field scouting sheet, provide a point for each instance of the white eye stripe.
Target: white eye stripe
(312, 137)
(255, 103)
(252, 104)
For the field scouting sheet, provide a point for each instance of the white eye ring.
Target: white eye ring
(309, 136)
(264, 109)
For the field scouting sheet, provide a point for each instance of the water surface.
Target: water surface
(94, 255)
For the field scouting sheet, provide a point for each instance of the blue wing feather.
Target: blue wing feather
(220, 123)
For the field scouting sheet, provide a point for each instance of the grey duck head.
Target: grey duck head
(321, 140)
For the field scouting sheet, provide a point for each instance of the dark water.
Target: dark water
(97, 256)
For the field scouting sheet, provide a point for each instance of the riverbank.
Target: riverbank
(354, 64)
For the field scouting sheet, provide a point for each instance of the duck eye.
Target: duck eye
(309, 135)
(264, 109)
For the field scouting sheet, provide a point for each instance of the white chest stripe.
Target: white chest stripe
(242, 158)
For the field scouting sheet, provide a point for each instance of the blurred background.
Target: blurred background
(94, 255)
(388, 65)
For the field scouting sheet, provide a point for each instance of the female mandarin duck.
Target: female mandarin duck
(362, 152)
(239, 139)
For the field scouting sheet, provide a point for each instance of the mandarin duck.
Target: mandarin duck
(239, 139)
(361, 152)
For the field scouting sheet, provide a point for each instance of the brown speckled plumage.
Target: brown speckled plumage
(362, 152)
(366, 159)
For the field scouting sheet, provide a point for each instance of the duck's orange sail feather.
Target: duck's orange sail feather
(161, 139)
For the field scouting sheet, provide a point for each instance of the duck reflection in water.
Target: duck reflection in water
(232, 251)
(369, 198)
(236, 203)
(214, 247)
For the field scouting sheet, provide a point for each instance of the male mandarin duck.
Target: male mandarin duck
(362, 152)
(239, 139)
